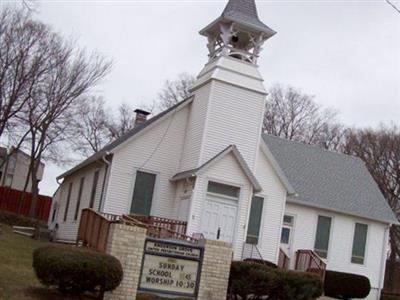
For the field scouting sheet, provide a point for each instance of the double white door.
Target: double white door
(219, 219)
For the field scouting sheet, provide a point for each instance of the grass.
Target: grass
(17, 277)
(16, 272)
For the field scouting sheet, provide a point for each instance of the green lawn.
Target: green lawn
(17, 277)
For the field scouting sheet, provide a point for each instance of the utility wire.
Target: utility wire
(394, 6)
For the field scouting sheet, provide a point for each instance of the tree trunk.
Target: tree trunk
(35, 190)
(23, 194)
(391, 266)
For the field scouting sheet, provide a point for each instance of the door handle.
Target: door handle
(218, 233)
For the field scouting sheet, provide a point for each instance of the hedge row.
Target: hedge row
(389, 297)
(255, 280)
(144, 296)
(76, 270)
(346, 285)
(17, 220)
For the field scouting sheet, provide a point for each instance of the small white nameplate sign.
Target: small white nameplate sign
(172, 249)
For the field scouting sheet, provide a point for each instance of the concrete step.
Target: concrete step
(27, 231)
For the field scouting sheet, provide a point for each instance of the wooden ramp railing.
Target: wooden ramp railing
(94, 228)
(170, 224)
(283, 260)
(309, 261)
(162, 227)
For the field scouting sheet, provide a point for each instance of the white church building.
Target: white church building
(205, 161)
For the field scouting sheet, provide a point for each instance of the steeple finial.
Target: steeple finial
(238, 32)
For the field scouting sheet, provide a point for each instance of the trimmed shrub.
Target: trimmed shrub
(247, 278)
(16, 220)
(76, 270)
(297, 285)
(346, 285)
(389, 297)
(263, 262)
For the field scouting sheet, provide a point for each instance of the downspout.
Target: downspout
(50, 221)
(105, 181)
(383, 261)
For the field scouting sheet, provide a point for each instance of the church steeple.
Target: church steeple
(238, 32)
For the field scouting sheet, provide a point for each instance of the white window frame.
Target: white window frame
(223, 195)
(292, 233)
(259, 242)
(132, 189)
(364, 264)
(330, 234)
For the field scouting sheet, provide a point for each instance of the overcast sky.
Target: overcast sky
(346, 53)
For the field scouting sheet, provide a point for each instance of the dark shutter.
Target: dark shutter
(143, 193)
(253, 230)
(68, 200)
(94, 188)
(78, 202)
(322, 236)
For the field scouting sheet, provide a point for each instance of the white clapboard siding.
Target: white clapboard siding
(195, 128)
(234, 117)
(157, 150)
(274, 194)
(341, 240)
(228, 171)
(68, 229)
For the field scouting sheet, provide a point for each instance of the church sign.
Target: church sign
(171, 268)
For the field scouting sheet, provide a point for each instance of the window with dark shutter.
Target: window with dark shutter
(322, 236)
(94, 188)
(68, 200)
(253, 230)
(78, 201)
(143, 193)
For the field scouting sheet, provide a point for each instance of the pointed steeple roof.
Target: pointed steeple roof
(245, 12)
(242, 12)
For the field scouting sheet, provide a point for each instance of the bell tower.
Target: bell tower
(229, 95)
(226, 111)
(237, 33)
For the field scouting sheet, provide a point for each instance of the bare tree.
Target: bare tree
(380, 150)
(23, 57)
(175, 91)
(123, 122)
(90, 130)
(293, 115)
(46, 117)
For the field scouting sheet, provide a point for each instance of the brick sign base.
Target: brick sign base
(128, 244)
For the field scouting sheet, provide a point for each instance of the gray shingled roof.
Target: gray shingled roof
(98, 155)
(329, 180)
(245, 12)
(242, 12)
